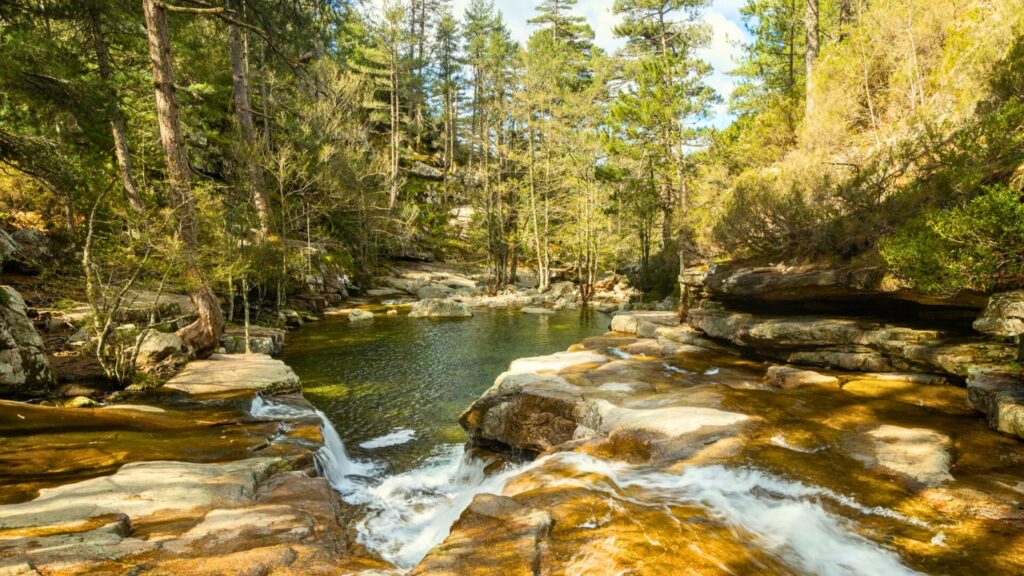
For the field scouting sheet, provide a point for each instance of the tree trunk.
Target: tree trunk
(243, 115)
(203, 335)
(811, 23)
(116, 118)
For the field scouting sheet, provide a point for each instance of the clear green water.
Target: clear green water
(418, 374)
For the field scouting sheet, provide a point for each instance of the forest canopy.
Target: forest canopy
(252, 145)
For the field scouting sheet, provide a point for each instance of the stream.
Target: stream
(834, 482)
(393, 390)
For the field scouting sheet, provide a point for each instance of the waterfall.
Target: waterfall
(333, 462)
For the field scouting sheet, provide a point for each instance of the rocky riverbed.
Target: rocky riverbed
(200, 478)
(656, 456)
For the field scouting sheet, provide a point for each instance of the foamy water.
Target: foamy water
(411, 512)
(785, 517)
(396, 438)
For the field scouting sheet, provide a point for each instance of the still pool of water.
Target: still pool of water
(394, 388)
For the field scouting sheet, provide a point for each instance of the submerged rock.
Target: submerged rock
(359, 315)
(791, 377)
(436, 308)
(918, 453)
(24, 368)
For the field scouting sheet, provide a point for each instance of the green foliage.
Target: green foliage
(978, 245)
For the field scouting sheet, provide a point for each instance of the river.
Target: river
(705, 469)
(393, 390)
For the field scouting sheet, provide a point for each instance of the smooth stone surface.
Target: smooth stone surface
(791, 377)
(537, 311)
(555, 362)
(230, 373)
(629, 322)
(162, 352)
(919, 453)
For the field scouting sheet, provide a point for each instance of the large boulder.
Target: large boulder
(1003, 316)
(24, 250)
(1001, 397)
(24, 368)
(432, 291)
(161, 353)
(438, 308)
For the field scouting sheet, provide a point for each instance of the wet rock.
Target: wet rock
(24, 368)
(358, 315)
(495, 534)
(792, 377)
(630, 322)
(691, 337)
(182, 518)
(672, 421)
(231, 373)
(434, 308)
(537, 311)
(79, 402)
(555, 362)
(918, 453)
(1001, 397)
(1003, 316)
(528, 412)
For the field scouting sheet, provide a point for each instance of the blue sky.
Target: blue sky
(722, 53)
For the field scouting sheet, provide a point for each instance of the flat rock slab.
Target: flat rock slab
(671, 421)
(555, 362)
(630, 322)
(537, 310)
(141, 489)
(229, 373)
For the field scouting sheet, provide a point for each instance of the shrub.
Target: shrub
(978, 245)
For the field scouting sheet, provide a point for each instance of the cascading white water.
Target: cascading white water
(331, 459)
(411, 512)
(407, 513)
(785, 517)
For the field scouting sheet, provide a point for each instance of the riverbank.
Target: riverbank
(660, 456)
(220, 472)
